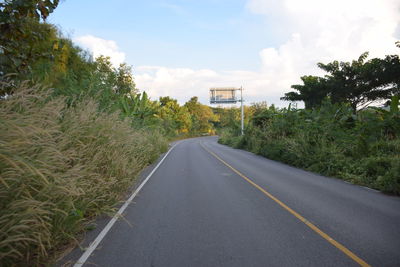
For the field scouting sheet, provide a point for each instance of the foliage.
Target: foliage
(363, 148)
(358, 83)
(312, 92)
(176, 119)
(202, 116)
(343, 139)
(139, 108)
(60, 166)
(20, 31)
(70, 153)
(74, 75)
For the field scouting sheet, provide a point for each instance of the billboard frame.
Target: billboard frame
(232, 100)
(223, 95)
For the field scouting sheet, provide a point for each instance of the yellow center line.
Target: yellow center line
(297, 215)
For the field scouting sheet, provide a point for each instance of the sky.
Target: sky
(182, 48)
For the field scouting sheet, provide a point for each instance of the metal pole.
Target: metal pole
(241, 101)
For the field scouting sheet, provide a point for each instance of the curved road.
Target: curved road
(211, 205)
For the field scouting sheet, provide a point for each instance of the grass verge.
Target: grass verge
(59, 167)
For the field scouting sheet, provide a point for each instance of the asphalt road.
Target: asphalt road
(197, 211)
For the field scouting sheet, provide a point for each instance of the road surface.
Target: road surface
(211, 205)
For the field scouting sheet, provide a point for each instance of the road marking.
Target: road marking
(294, 213)
(103, 233)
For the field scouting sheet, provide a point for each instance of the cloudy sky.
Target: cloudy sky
(181, 48)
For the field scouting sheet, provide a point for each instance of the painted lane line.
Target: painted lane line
(294, 213)
(81, 261)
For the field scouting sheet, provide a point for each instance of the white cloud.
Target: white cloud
(319, 31)
(98, 46)
(322, 31)
(328, 30)
(183, 83)
(316, 30)
(179, 83)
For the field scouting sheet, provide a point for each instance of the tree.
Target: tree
(20, 30)
(358, 83)
(202, 116)
(351, 82)
(312, 92)
(124, 80)
(176, 118)
(107, 83)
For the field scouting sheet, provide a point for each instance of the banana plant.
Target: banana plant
(390, 119)
(137, 106)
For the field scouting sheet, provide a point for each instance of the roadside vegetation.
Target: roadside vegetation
(75, 133)
(338, 133)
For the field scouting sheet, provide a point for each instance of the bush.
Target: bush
(331, 141)
(390, 181)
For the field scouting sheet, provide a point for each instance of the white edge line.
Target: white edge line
(107, 228)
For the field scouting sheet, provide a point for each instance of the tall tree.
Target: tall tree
(353, 82)
(358, 83)
(312, 91)
(176, 118)
(202, 116)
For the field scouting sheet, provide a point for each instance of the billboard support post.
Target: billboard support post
(242, 110)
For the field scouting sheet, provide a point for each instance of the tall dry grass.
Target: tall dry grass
(60, 166)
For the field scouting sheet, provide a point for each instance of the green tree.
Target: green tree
(358, 83)
(107, 83)
(202, 116)
(176, 118)
(312, 91)
(20, 31)
(353, 82)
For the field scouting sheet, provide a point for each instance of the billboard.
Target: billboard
(223, 95)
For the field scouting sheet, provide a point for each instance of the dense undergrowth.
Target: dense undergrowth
(60, 167)
(362, 148)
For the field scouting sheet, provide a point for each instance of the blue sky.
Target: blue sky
(181, 48)
(221, 35)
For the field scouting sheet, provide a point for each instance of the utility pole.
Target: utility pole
(242, 108)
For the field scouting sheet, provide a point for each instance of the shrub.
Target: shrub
(331, 140)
